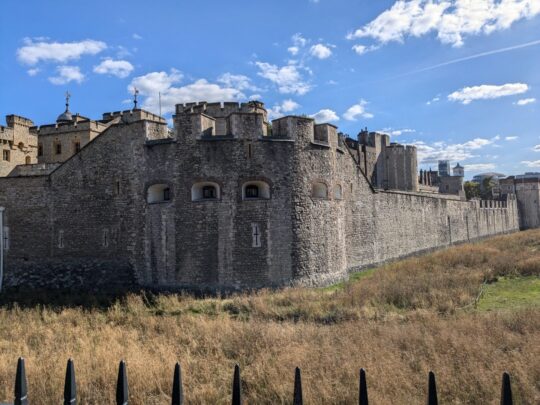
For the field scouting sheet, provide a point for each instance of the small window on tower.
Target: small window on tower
(158, 193)
(255, 235)
(27, 160)
(209, 192)
(76, 147)
(6, 155)
(58, 148)
(255, 190)
(252, 191)
(40, 150)
(205, 191)
(167, 194)
(60, 239)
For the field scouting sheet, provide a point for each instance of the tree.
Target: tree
(472, 189)
(486, 189)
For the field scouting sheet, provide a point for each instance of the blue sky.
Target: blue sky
(458, 78)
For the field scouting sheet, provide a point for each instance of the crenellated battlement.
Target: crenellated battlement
(69, 127)
(221, 110)
(128, 116)
(6, 133)
(13, 120)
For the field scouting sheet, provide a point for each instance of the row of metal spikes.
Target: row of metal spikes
(122, 393)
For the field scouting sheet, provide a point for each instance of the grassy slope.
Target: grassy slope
(511, 293)
(397, 321)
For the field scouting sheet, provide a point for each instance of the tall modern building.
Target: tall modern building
(444, 168)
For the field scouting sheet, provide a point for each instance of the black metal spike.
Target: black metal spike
(21, 387)
(506, 390)
(432, 390)
(122, 385)
(70, 386)
(362, 396)
(297, 399)
(177, 390)
(236, 388)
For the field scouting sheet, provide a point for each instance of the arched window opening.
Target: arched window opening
(158, 193)
(319, 190)
(209, 192)
(255, 190)
(205, 191)
(252, 191)
(338, 194)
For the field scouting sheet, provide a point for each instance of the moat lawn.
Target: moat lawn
(468, 313)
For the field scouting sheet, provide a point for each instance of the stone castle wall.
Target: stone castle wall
(88, 223)
(528, 198)
(20, 144)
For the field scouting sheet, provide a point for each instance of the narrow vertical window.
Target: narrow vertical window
(60, 239)
(6, 155)
(40, 150)
(117, 187)
(27, 160)
(256, 235)
(6, 238)
(105, 238)
(167, 194)
(76, 147)
(249, 150)
(58, 148)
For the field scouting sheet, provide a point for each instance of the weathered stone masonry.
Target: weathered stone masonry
(89, 222)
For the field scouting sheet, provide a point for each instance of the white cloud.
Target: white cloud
(396, 132)
(325, 115)
(320, 51)
(362, 49)
(452, 20)
(67, 74)
(356, 111)
(536, 148)
(487, 91)
(298, 40)
(33, 71)
(151, 84)
(154, 82)
(239, 82)
(432, 153)
(136, 36)
(479, 167)
(288, 78)
(34, 52)
(118, 68)
(293, 50)
(510, 138)
(433, 100)
(525, 101)
(531, 163)
(279, 110)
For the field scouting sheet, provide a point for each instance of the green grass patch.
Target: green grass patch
(511, 293)
(353, 278)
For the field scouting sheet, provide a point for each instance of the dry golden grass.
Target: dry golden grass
(398, 322)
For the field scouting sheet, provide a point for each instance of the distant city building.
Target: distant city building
(435, 182)
(479, 178)
(444, 168)
(459, 170)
